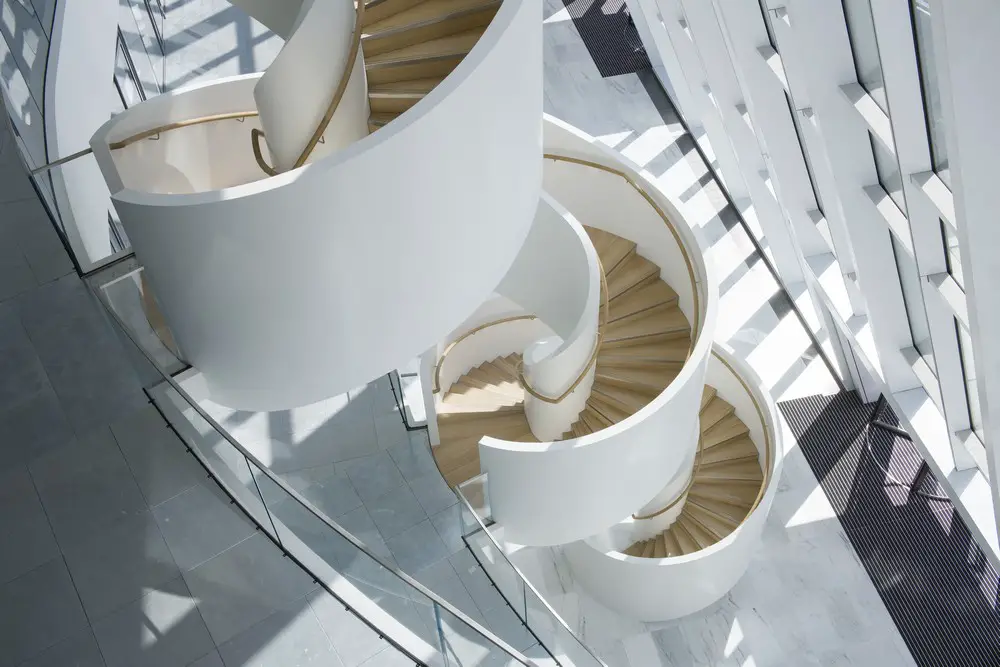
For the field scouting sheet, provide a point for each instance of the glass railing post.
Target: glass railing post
(263, 503)
(440, 633)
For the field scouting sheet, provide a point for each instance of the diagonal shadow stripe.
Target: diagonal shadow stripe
(609, 34)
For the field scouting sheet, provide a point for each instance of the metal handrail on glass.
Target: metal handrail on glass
(388, 600)
(533, 609)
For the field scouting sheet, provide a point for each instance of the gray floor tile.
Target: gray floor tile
(396, 511)
(84, 360)
(390, 430)
(37, 610)
(388, 658)
(360, 524)
(50, 265)
(32, 428)
(245, 585)
(413, 457)
(78, 650)
(373, 476)
(119, 564)
(354, 641)
(15, 274)
(159, 460)
(476, 581)
(162, 629)
(210, 659)
(290, 636)
(417, 547)
(200, 523)
(432, 492)
(444, 581)
(86, 486)
(447, 525)
(22, 523)
(333, 495)
(22, 375)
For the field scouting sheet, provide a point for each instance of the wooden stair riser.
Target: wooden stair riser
(740, 497)
(629, 400)
(424, 68)
(688, 544)
(655, 295)
(717, 528)
(648, 383)
(725, 431)
(706, 397)
(647, 548)
(612, 343)
(623, 289)
(608, 411)
(737, 449)
(659, 547)
(398, 38)
(716, 411)
(702, 534)
(494, 425)
(720, 521)
(393, 102)
(594, 421)
(655, 311)
(378, 10)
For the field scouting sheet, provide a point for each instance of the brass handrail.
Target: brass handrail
(145, 134)
(768, 446)
(451, 345)
(338, 95)
(188, 122)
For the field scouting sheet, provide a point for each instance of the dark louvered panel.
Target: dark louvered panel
(935, 581)
(610, 36)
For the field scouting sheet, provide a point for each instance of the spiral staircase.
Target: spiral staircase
(606, 420)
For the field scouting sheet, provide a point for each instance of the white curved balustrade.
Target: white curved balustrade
(659, 589)
(557, 276)
(295, 93)
(557, 492)
(289, 289)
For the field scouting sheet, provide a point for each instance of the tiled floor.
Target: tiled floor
(115, 550)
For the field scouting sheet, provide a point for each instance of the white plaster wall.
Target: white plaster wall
(660, 589)
(289, 290)
(488, 344)
(77, 89)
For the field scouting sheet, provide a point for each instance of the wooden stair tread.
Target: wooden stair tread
(451, 46)
(670, 352)
(703, 537)
(647, 548)
(377, 120)
(656, 293)
(726, 429)
(428, 11)
(653, 378)
(376, 10)
(659, 547)
(594, 420)
(707, 395)
(609, 411)
(727, 519)
(611, 249)
(673, 546)
(715, 527)
(685, 540)
(737, 449)
(739, 497)
(627, 400)
(663, 325)
(411, 87)
(733, 471)
(714, 412)
(634, 549)
(632, 273)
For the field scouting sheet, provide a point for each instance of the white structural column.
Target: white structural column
(693, 72)
(729, 100)
(846, 137)
(973, 51)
